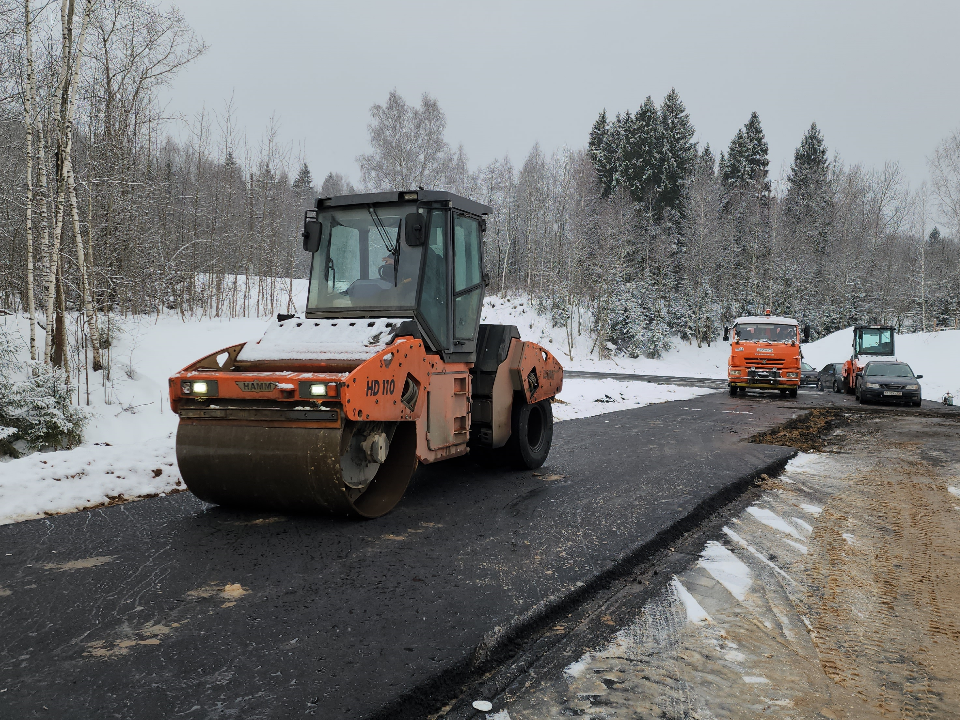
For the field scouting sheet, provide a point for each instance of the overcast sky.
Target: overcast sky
(879, 78)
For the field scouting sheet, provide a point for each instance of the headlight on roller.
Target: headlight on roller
(319, 390)
(199, 388)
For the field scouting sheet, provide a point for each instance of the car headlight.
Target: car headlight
(199, 388)
(319, 390)
(873, 385)
(913, 387)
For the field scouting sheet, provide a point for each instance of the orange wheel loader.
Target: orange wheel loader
(388, 367)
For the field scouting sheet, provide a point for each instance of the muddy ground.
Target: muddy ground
(834, 593)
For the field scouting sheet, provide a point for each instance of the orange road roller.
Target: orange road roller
(388, 367)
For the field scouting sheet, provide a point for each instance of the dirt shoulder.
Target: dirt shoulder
(833, 595)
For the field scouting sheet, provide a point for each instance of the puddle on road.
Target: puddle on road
(835, 595)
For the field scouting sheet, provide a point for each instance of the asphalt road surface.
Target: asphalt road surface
(169, 607)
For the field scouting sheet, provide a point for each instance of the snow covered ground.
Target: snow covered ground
(128, 447)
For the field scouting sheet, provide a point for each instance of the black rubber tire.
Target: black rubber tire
(742, 391)
(793, 392)
(836, 386)
(733, 391)
(916, 403)
(820, 385)
(531, 432)
(783, 392)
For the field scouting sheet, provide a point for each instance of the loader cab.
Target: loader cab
(873, 341)
(367, 265)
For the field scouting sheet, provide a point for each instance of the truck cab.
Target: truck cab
(764, 354)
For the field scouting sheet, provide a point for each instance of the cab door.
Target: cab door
(467, 283)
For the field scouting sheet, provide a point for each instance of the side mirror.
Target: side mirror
(416, 229)
(312, 229)
(918, 376)
(726, 334)
(806, 333)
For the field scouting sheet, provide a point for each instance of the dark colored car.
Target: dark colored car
(827, 377)
(808, 376)
(888, 381)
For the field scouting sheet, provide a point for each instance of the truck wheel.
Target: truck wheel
(793, 392)
(531, 432)
(733, 391)
(783, 392)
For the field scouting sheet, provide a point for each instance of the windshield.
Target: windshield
(874, 341)
(888, 370)
(362, 261)
(766, 332)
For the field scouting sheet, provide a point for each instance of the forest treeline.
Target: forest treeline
(640, 236)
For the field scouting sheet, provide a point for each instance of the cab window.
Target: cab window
(433, 295)
(467, 286)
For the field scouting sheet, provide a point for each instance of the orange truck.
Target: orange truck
(764, 354)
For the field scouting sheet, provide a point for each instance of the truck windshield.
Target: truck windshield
(767, 332)
(874, 341)
(362, 261)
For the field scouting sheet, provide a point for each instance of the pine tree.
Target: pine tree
(604, 161)
(677, 155)
(303, 184)
(641, 154)
(808, 201)
(747, 159)
(706, 163)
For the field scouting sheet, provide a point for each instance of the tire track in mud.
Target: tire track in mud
(881, 627)
(858, 617)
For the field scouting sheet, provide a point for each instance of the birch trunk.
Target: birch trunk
(29, 94)
(69, 73)
(89, 311)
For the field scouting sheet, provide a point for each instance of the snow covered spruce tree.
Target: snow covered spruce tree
(35, 403)
(808, 209)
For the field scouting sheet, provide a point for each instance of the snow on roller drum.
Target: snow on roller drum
(389, 366)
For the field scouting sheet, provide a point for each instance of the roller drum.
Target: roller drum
(291, 469)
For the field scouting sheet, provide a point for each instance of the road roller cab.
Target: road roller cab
(389, 366)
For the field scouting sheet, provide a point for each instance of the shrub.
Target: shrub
(38, 408)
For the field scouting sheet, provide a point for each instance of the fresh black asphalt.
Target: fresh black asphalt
(169, 608)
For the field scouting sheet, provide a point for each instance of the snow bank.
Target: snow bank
(935, 355)
(131, 435)
(87, 476)
(582, 397)
(684, 360)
